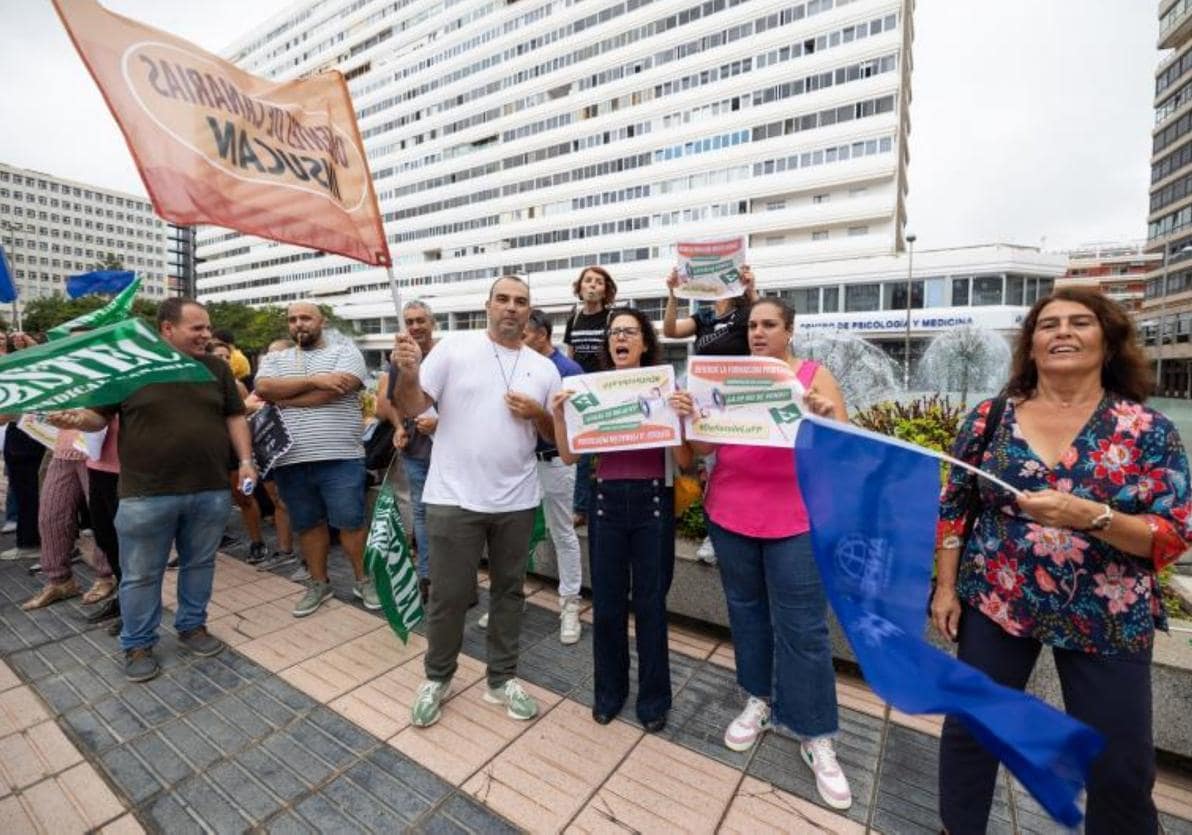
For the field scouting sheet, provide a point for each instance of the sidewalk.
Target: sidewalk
(303, 726)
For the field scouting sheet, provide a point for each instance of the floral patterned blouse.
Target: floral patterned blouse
(1062, 587)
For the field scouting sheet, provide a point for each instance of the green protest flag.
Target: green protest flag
(117, 310)
(538, 534)
(95, 368)
(786, 414)
(387, 561)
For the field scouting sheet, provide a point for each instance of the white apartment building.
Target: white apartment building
(540, 136)
(52, 228)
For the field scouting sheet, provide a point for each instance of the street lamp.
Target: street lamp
(906, 347)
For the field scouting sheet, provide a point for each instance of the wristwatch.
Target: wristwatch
(1102, 521)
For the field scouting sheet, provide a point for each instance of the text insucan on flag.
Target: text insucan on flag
(213, 144)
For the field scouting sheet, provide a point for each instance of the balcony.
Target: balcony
(1175, 26)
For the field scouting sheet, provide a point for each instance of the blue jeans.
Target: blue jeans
(416, 470)
(318, 492)
(778, 613)
(147, 526)
(634, 557)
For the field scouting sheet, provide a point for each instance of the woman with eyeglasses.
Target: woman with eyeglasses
(634, 532)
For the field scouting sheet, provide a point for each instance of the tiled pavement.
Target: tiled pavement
(303, 727)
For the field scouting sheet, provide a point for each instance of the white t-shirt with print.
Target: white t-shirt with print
(483, 457)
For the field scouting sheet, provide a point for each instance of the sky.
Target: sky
(1030, 119)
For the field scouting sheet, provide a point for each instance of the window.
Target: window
(804, 299)
(831, 300)
(857, 231)
(820, 198)
(1014, 287)
(820, 235)
(894, 295)
(960, 292)
(987, 290)
(861, 297)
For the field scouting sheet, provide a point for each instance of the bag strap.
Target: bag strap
(992, 420)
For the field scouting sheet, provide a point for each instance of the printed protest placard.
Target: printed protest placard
(710, 270)
(35, 426)
(743, 400)
(270, 437)
(618, 410)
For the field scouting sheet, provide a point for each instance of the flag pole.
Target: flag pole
(396, 291)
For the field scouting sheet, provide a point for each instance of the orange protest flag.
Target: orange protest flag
(213, 144)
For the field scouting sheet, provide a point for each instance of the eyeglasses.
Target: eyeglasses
(615, 332)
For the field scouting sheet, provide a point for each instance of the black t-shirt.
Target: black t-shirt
(174, 436)
(419, 445)
(727, 335)
(585, 335)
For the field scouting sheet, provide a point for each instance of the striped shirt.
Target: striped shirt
(320, 433)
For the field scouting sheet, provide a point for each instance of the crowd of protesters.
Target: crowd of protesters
(474, 424)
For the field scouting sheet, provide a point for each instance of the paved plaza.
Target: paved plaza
(303, 726)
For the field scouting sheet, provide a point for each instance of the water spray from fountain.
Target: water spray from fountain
(866, 374)
(965, 359)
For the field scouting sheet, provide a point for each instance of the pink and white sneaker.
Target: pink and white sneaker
(830, 781)
(745, 730)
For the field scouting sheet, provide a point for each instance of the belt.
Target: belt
(547, 455)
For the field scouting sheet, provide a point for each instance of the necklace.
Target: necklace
(512, 375)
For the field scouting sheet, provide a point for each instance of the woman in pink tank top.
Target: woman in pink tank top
(776, 603)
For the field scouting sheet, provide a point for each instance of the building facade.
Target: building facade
(52, 228)
(539, 137)
(1119, 270)
(180, 260)
(1167, 307)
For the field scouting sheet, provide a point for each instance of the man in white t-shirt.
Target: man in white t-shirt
(491, 393)
(321, 479)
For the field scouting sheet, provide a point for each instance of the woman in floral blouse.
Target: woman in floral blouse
(1073, 562)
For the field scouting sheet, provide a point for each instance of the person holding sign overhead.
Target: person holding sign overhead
(776, 603)
(633, 527)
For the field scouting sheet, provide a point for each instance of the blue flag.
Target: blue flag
(873, 503)
(8, 290)
(100, 281)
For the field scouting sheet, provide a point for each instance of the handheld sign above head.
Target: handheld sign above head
(710, 270)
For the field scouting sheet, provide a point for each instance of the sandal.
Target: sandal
(52, 593)
(99, 590)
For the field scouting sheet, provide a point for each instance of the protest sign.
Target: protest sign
(270, 437)
(618, 410)
(711, 270)
(35, 426)
(743, 400)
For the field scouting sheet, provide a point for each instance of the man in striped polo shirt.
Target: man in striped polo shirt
(316, 384)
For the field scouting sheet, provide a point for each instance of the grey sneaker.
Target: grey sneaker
(140, 665)
(518, 703)
(276, 560)
(201, 642)
(426, 710)
(316, 593)
(366, 590)
(300, 575)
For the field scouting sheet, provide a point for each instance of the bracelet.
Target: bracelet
(951, 541)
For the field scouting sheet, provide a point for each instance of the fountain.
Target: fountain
(965, 359)
(866, 374)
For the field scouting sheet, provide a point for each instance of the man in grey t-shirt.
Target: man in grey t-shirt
(321, 478)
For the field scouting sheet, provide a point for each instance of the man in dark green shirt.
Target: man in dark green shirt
(173, 449)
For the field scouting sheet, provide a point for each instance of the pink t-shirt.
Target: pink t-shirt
(754, 491)
(632, 465)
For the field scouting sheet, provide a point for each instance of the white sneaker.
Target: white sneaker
(518, 703)
(19, 553)
(745, 730)
(483, 621)
(9, 527)
(569, 625)
(830, 781)
(705, 553)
